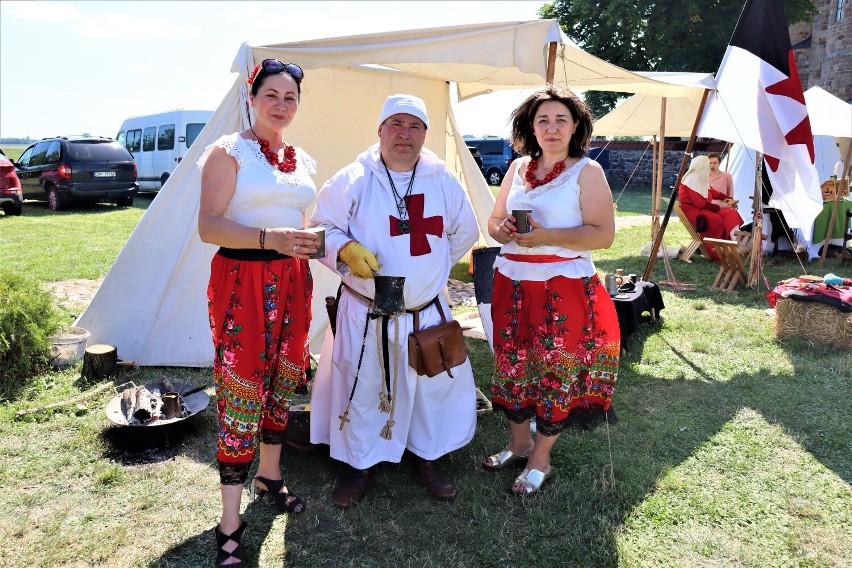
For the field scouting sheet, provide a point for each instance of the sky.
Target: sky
(83, 67)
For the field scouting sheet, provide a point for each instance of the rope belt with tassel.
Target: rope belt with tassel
(387, 397)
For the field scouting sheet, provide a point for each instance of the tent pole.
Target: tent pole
(833, 217)
(656, 247)
(551, 62)
(755, 269)
(661, 160)
(655, 211)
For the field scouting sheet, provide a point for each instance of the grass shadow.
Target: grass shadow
(140, 445)
(201, 549)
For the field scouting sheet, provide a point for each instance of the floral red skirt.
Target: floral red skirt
(260, 313)
(556, 347)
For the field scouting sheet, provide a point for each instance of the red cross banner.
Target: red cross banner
(760, 104)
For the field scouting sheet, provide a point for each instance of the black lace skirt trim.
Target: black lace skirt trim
(272, 437)
(233, 473)
(581, 418)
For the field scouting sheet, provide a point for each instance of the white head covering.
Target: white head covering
(408, 104)
(697, 176)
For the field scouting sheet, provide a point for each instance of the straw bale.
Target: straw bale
(818, 323)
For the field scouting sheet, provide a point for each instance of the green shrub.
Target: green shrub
(27, 320)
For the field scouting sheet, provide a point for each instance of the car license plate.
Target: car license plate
(104, 174)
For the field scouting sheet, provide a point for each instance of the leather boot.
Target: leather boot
(436, 482)
(353, 488)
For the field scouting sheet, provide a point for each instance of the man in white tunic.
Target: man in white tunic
(395, 211)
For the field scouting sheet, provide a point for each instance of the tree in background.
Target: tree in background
(644, 35)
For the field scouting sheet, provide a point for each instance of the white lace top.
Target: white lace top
(265, 196)
(555, 204)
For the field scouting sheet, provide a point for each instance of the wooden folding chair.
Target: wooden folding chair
(744, 244)
(695, 243)
(732, 267)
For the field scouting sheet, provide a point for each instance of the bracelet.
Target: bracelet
(263, 238)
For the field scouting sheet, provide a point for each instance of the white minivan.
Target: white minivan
(159, 142)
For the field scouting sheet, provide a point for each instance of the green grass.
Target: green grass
(733, 449)
(81, 242)
(14, 151)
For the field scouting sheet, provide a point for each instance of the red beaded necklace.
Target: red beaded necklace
(558, 168)
(289, 163)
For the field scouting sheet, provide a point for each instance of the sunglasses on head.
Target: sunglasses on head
(273, 66)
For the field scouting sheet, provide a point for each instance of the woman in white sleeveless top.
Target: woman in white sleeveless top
(556, 336)
(255, 190)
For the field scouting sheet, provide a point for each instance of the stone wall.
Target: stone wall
(823, 49)
(625, 155)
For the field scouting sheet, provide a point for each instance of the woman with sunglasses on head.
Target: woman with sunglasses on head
(556, 335)
(255, 189)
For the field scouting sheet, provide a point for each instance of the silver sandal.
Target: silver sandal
(504, 460)
(530, 481)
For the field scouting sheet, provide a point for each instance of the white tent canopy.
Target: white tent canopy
(640, 114)
(152, 304)
(830, 116)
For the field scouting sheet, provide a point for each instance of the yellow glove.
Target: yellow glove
(359, 259)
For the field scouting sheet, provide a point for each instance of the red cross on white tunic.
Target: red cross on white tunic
(420, 226)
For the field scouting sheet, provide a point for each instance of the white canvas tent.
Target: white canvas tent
(152, 304)
(671, 113)
(830, 116)
(642, 114)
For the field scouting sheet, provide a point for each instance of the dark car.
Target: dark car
(497, 156)
(11, 201)
(69, 169)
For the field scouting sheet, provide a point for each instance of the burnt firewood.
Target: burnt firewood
(144, 405)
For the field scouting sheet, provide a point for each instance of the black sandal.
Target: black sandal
(222, 539)
(284, 501)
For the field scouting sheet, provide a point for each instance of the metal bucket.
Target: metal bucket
(390, 295)
(68, 346)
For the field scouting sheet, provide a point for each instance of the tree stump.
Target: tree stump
(100, 362)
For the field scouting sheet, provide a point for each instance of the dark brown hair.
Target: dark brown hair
(523, 136)
(714, 155)
(262, 76)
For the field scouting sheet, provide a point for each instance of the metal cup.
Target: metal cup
(522, 219)
(611, 286)
(320, 232)
(171, 405)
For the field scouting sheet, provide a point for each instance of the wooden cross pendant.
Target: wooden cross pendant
(344, 418)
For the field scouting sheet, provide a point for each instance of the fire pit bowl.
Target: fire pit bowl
(192, 400)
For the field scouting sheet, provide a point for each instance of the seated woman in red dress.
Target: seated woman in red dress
(711, 220)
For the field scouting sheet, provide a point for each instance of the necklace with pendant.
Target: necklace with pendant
(402, 224)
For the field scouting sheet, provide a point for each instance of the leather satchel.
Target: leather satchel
(436, 349)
